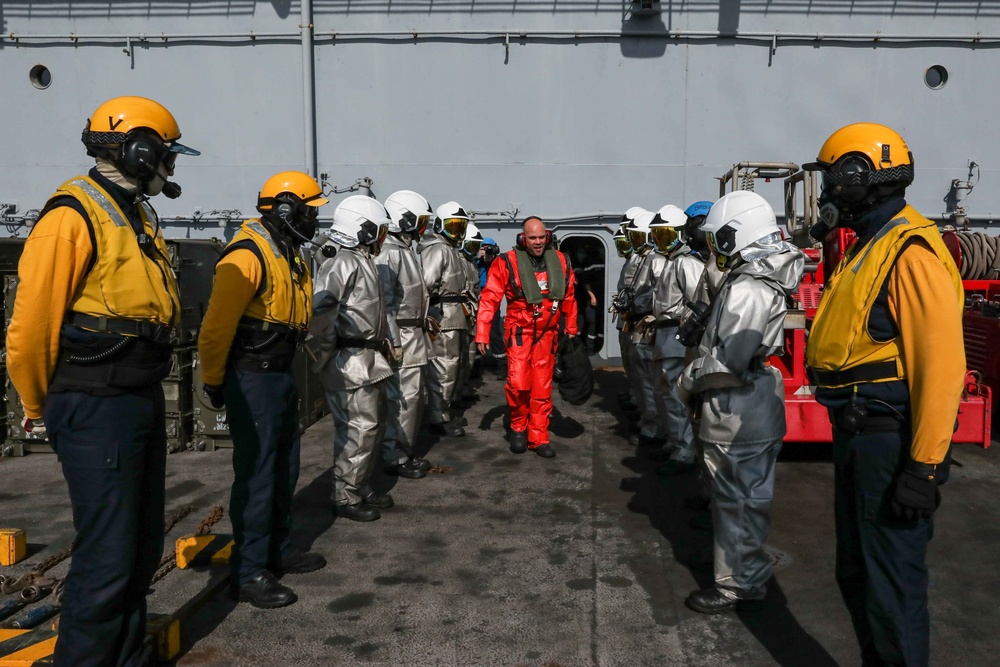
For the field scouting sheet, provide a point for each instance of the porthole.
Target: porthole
(935, 77)
(41, 77)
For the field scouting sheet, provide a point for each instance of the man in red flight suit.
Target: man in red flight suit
(538, 283)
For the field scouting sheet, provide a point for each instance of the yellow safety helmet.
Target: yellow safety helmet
(297, 184)
(115, 119)
(292, 199)
(860, 156)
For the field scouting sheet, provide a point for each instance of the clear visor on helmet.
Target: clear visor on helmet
(454, 228)
(637, 238)
(664, 237)
(472, 246)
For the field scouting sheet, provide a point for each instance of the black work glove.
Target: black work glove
(215, 395)
(692, 326)
(916, 494)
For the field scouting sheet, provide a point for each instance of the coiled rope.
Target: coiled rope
(980, 256)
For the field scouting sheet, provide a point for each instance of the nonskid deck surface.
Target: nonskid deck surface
(503, 559)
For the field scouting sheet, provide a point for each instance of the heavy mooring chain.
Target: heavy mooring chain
(34, 578)
(34, 584)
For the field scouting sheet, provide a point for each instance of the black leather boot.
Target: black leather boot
(265, 592)
(378, 501)
(300, 562)
(450, 429)
(409, 469)
(358, 512)
(518, 442)
(714, 601)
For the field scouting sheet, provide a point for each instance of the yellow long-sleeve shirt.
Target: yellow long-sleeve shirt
(238, 276)
(924, 307)
(53, 265)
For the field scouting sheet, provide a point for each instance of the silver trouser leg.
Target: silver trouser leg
(359, 418)
(742, 490)
(644, 375)
(465, 358)
(704, 476)
(677, 418)
(406, 397)
(442, 376)
(625, 343)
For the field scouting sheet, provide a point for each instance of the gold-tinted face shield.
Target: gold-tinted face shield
(454, 228)
(622, 245)
(472, 246)
(637, 238)
(664, 237)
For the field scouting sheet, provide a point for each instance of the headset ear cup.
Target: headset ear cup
(520, 241)
(283, 210)
(139, 158)
(548, 237)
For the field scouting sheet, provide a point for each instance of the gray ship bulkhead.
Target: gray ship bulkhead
(573, 111)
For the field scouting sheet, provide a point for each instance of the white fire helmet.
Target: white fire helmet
(360, 220)
(408, 212)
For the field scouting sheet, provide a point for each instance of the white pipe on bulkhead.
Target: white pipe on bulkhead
(308, 88)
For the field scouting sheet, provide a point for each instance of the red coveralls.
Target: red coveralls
(530, 333)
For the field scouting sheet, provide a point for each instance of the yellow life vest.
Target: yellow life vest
(287, 296)
(124, 282)
(841, 351)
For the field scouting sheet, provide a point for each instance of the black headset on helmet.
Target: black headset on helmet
(139, 152)
(292, 213)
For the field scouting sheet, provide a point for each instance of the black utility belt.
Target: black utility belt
(377, 345)
(151, 331)
(121, 362)
(664, 324)
(854, 423)
(264, 329)
(447, 298)
(262, 363)
(883, 370)
(409, 323)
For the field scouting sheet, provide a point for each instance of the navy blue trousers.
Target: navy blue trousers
(113, 452)
(881, 567)
(262, 409)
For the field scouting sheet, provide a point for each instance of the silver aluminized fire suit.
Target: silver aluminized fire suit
(472, 307)
(677, 285)
(406, 303)
(444, 274)
(742, 404)
(644, 376)
(350, 331)
(625, 280)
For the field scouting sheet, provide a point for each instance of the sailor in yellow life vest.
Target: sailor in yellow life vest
(259, 311)
(887, 356)
(87, 347)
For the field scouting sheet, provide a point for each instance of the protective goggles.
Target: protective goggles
(638, 238)
(664, 237)
(455, 228)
